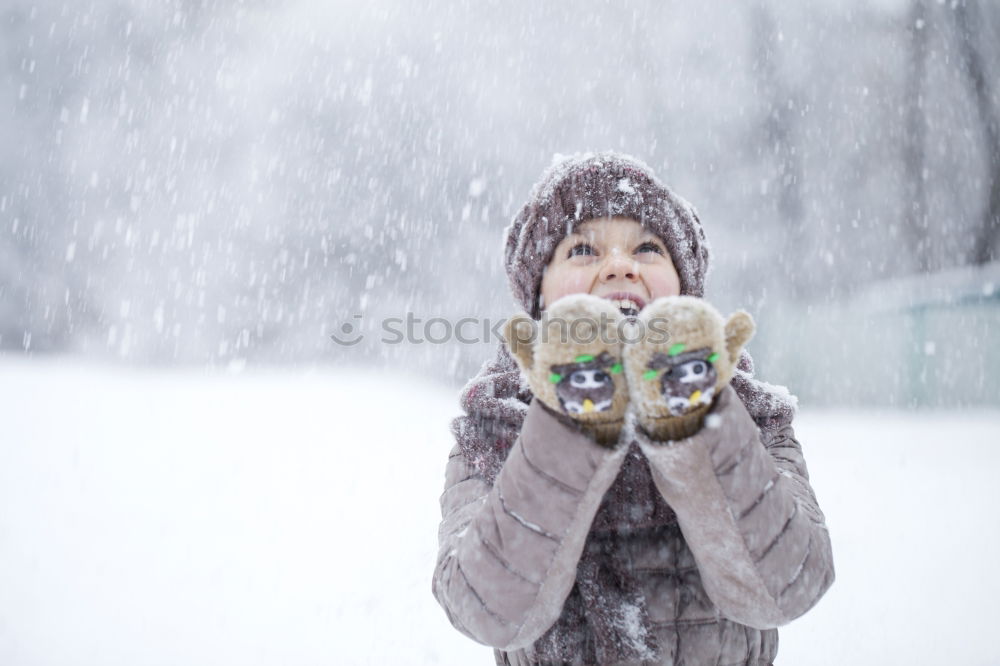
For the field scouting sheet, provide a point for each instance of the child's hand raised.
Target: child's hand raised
(573, 361)
(674, 378)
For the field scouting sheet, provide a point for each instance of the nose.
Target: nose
(618, 266)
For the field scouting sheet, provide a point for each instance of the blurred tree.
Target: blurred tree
(914, 158)
(781, 152)
(970, 22)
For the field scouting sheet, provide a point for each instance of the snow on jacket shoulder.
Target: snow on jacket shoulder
(750, 550)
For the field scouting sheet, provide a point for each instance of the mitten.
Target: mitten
(684, 355)
(572, 359)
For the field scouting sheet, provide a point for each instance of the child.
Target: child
(616, 498)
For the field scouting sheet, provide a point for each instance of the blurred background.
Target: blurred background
(196, 194)
(225, 182)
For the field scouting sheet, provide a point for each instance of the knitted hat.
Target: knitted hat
(585, 186)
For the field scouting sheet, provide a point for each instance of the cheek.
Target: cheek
(663, 281)
(563, 280)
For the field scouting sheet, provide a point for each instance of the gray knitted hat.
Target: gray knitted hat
(585, 186)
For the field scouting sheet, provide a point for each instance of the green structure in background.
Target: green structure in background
(921, 341)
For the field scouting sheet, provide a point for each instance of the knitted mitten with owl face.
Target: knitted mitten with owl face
(572, 359)
(685, 357)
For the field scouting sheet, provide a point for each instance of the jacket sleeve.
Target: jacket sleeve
(747, 511)
(508, 553)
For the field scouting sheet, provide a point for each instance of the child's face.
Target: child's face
(612, 258)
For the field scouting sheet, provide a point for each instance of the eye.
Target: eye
(581, 249)
(649, 246)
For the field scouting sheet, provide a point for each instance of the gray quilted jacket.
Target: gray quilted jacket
(749, 549)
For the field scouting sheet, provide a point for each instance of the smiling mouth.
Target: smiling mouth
(627, 304)
(629, 308)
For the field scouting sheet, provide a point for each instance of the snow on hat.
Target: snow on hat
(585, 186)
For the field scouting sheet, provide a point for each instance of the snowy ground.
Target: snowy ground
(179, 517)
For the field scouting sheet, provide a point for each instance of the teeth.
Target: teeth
(628, 304)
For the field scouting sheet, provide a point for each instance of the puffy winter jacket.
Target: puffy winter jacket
(749, 550)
